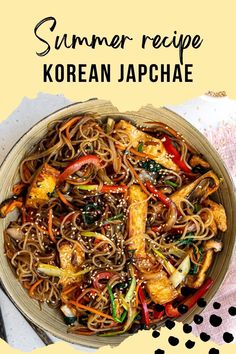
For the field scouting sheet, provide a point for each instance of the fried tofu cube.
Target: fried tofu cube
(71, 258)
(218, 213)
(42, 186)
(160, 289)
(157, 150)
(137, 220)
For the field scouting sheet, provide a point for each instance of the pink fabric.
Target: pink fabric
(223, 138)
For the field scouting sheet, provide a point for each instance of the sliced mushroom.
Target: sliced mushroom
(212, 244)
(9, 205)
(210, 247)
(198, 190)
(196, 160)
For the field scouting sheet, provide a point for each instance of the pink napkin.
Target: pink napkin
(216, 119)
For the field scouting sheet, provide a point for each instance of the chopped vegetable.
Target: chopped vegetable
(87, 187)
(172, 311)
(140, 147)
(168, 266)
(69, 315)
(90, 309)
(144, 306)
(150, 165)
(54, 271)
(171, 183)
(9, 205)
(131, 292)
(34, 286)
(132, 313)
(50, 231)
(104, 188)
(113, 218)
(197, 207)
(175, 155)
(181, 272)
(92, 212)
(76, 166)
(113, 307)
(114, 189)
(162, 197)
(110, 125)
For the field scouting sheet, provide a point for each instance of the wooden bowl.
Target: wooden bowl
(51, 320)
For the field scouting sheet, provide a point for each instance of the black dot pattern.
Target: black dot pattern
(189, 344)
(201, 302)
(228, 337)
(187, 328)
(159, 351)
(155, 334)
(232, 311)
(173, 341)
(216, 305)
(215, 320)
(204, 337)
(169, 324)
(214, 351)
(182, 309)
(186, 291)
(198, 319)
(159, 308)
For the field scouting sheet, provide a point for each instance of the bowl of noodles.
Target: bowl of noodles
(112, 223)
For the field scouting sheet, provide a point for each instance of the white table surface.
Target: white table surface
(208, 114)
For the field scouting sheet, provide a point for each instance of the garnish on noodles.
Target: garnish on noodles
(114, 223)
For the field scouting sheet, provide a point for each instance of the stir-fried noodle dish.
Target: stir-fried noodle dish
(114, 224)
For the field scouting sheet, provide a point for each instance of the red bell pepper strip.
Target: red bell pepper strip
(157, 315)
(114, 189)
(161, 196)
(144, 306)
(76, 166)
(172, 311)
(175, 155)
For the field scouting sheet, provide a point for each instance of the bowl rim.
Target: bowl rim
(230, 186)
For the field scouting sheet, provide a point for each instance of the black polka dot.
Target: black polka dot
(186, 291)
(204, 336)
(159, 351)
(159, 308)
(216, 305)
(215, 320)
(214, 351)
(198, 319)
(189, 344)
(173, 341)
(228, 337)
(232, 311)
(182, 309)
(169, 324)
(155, 334)
(187, 328)
(201, 302)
